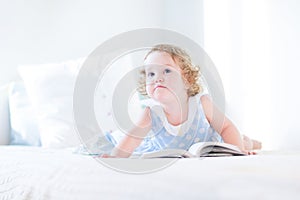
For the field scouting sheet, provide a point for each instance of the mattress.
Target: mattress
(38, 173)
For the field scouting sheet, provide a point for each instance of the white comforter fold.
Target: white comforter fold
(36, 173)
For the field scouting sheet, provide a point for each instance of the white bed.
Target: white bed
(39, 173)
(54, 172)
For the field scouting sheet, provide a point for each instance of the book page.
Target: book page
(205, 148)
(168, 153)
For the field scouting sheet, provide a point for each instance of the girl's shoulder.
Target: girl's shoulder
(203, 102)
(204, 97)
(201, 97)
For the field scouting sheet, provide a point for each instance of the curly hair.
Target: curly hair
(190, 72)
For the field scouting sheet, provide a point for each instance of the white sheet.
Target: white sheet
(36, 173)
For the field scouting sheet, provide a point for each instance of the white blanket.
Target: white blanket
(37, 173)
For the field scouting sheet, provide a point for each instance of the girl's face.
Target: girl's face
(164, 81)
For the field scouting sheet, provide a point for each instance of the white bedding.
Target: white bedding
(37, 173)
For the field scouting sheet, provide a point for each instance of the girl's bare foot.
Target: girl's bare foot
(256, 144)
(250, 144)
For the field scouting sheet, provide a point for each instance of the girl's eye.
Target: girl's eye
(150, 74)
(167, 71)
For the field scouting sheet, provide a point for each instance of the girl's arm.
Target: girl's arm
(135, 136)
(221, 123)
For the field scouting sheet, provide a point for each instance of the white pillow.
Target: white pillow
(4, 116)
(24, 129)
(50, 89)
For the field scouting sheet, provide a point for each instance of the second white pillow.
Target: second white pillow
(50, 89)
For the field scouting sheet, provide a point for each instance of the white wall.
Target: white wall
(285, 67)
(41, 31)
(38, 31)
(185, 17)
(255, 46)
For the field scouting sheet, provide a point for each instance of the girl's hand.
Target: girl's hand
(105, 156)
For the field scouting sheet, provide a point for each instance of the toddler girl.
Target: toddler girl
(177, 114)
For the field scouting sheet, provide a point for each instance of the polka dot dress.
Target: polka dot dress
(164, 135)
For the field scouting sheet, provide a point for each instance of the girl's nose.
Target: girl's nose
(159, 79)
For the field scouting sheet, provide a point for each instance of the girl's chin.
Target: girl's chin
(163, 98)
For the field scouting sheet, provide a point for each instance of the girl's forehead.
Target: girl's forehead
(157, 59)
(161, 58)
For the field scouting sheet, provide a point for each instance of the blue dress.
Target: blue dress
(164, 135)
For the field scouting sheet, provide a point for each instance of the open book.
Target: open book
(200, 149)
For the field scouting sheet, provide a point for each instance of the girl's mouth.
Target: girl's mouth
(159, 86)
